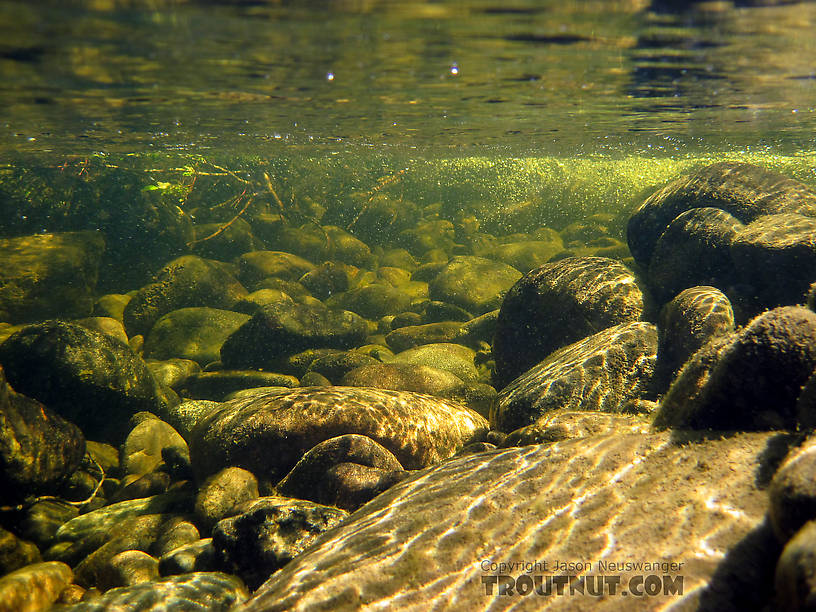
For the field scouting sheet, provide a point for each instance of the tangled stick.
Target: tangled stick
(78, 504)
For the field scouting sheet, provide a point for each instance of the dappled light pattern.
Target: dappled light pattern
(629, 497)
(268, 433)
(600, 372)
(198, 591)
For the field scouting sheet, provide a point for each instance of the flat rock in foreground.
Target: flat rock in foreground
(435, 540)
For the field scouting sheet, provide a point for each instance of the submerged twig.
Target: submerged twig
(42, 498)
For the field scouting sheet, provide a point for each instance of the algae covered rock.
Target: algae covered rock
(335, 365)
(16, 552)
(694, 250)
(449, 356)
(34, 587)
(743, 190)
(85, 376)
(746, 380)
(184, 282)
(257, 265)
(775, 256)
(38, 448)
(795, 580)
(411, 336)
(283, 329)
(269, 433)
(192, 333)
(213, 591)
(150, 437)
(524, 256)
(792, 492)
(560, 303)
(602, 372)
(372, 301)
(474, 283)
(223, 493)
(49, 275)
(219, 384)
(400, 376)
(269, 533)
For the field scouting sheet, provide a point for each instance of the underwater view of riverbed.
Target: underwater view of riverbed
(370, 304)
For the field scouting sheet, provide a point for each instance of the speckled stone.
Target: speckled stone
(558, 304)
(34, 587)
(620, 497)
(270, 532)
(211, 591)
(419, 429)
(601, 372)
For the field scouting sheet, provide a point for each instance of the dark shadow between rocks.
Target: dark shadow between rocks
(745, 577)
